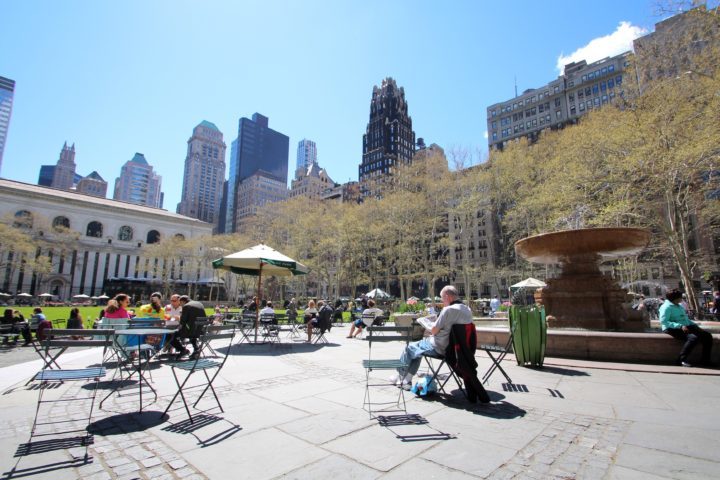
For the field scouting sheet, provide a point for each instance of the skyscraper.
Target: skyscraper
(306, 155)
(258, 148)
(204, 174)
(64, 174)
(7, 90)
(138, 183)
(389, 137)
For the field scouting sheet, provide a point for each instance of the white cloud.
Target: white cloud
(485, 135)
(621, 40)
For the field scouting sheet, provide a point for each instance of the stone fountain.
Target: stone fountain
(582, 296)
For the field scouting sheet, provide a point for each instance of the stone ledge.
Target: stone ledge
(652, 348)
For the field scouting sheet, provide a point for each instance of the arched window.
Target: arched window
(61, 222)
(94, 229)
(153, 236)
(23, 219)
(179, 236)
(125, 233)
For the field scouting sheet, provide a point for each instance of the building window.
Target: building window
(23, 219)
(94, 229)
(61, 222)
(125, 233)
(153, 236)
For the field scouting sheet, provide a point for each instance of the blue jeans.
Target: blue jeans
(412, 355)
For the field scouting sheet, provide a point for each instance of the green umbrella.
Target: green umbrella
(259, 260)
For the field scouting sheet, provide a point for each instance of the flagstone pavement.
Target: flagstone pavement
(296, 411)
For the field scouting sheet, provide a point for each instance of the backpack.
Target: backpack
(424, 386)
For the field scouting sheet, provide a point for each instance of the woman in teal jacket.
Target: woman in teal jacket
(675, 322)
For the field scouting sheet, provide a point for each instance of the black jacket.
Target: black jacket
(191, 311)
(460, 356)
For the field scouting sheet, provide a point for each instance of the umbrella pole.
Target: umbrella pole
(257, 306)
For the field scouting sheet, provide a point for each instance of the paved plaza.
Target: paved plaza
(295, 411)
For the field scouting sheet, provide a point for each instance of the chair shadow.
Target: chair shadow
(16, 472)
(44, 446)
(411, 419)
(187, 427)
(123, 423)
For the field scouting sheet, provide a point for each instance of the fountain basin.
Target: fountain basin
(582, 296)
(561, 247)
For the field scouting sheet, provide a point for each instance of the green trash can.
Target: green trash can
(529, 330)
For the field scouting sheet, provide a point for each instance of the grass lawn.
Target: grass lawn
(89, 314)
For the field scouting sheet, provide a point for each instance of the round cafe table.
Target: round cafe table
(127, 351)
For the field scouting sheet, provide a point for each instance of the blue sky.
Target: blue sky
(117, 78)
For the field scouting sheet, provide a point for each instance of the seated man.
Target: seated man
(367, 318)
(191, 311)
(454, 312)
(268, 311)
(675, 322)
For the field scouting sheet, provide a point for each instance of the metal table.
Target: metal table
(139, 332)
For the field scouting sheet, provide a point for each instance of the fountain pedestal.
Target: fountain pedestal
(582, 296)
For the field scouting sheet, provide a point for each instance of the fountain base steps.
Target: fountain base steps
(651, 348)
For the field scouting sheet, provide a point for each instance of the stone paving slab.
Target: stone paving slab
(295, 411)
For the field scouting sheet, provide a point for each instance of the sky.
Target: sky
(116, 78)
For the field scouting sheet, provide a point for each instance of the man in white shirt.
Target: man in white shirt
(494, 305)
(173, 311)
(454, 312)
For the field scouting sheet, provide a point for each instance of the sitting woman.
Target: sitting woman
(75, 322)
(368, 317)
(117, 307)
(310, 317)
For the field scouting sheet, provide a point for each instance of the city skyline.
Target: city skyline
(121, 94)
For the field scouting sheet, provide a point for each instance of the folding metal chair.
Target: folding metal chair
(324, 324)
(62, 339)
(212, 332)
(270, 329)
(397, 334)
(502, 351)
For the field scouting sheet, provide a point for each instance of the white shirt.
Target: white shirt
(267, 310)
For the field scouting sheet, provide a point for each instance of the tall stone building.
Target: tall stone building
(138, 183)
(255, 191)
(204, 174)
(7, 92)
(64, 175)
(312, 182)
(258, 147)
(389, 137)
(93, 185)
